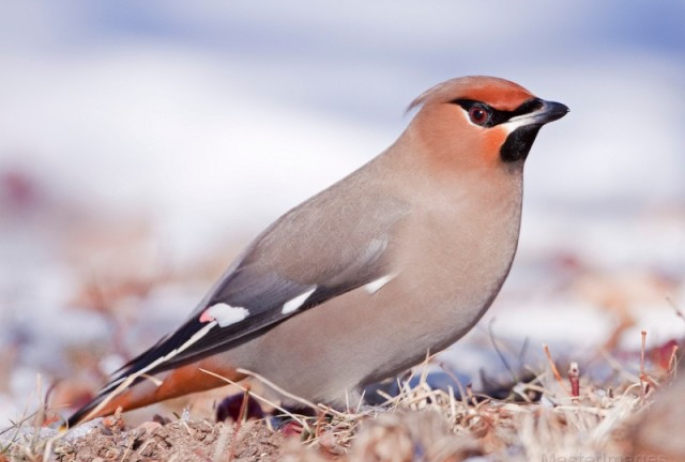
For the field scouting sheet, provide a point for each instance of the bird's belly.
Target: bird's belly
(430, 308)
(360, 337)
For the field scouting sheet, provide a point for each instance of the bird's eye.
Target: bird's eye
(479, 115)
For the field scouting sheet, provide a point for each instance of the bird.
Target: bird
(360, 282)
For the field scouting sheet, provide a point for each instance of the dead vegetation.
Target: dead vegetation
(554, 417)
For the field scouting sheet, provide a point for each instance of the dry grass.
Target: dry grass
(431, 425)
(420, 424)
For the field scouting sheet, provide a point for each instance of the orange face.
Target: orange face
(480, 122)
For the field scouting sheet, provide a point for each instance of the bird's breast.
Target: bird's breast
(456, 258)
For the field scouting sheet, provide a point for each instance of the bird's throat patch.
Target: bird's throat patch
(518, 143)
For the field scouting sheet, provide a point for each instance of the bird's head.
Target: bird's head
(480, 121)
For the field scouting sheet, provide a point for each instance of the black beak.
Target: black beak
(548, 112)
(525, 127)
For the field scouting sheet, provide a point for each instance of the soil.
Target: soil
(175, 441)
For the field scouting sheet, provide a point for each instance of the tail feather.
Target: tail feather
(134, 391)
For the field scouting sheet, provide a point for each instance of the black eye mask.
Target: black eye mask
(520, 141)
(496, 116)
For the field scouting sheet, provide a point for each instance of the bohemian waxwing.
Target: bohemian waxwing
(399, 259)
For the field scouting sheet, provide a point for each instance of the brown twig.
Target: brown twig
(555, 371)
(239, 423)
(675, 308)
(493, 341)
(574, 379)
(643, 334)
(673, 362)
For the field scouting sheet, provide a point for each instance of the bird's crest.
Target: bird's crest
(499, 93)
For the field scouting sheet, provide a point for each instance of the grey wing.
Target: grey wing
(304, 259)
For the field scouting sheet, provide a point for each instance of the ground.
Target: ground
(553, 418)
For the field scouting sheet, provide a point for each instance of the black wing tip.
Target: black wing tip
(112, 387)
(80, 415)
(137, 364)
(72, 420)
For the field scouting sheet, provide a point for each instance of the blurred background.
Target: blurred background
(143, 144)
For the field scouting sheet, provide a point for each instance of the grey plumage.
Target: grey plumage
(360, 282)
